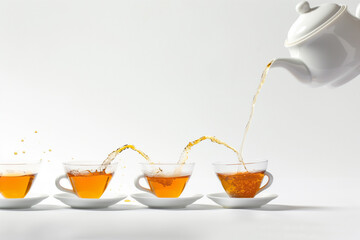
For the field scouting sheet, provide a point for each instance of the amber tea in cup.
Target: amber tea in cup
(243, 180)
(17, 179)
(165, 180)
(87, 180)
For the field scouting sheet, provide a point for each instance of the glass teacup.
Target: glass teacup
(16, 179)
(165, 180)
(243, 180)
(88, 180)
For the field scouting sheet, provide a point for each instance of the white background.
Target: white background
(91, 76)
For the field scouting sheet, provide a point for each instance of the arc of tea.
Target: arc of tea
(111, 157)
(184, 155)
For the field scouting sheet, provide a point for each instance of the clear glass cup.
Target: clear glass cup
(88, 179)
(243, 180)
(165, 180)
(16, 179)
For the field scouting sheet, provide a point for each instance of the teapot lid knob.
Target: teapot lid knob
(303, 7)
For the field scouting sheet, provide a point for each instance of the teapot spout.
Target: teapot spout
(296, 67)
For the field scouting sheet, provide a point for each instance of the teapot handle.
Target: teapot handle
(357, 13)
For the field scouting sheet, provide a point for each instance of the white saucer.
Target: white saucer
(152, 201)
(18, 203)
(227, 202)
(87, 203)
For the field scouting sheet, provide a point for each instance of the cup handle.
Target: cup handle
(61, 188)
(269, 182)
(138, 186)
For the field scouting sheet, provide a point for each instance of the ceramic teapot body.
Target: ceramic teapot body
(324, 52)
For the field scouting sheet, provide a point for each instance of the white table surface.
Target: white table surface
(293, 215)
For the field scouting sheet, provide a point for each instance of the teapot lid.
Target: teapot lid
(311, 21)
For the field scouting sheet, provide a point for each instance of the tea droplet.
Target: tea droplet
(15, 153)
(50, 150)
(127, 200)
(36, 131)
(23, 152)
(22, 140)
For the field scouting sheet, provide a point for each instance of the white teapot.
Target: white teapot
(324, 44)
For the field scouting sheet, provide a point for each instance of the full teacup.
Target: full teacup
(87, 180)
(16, 179)
(243, 180)
(165, 180)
